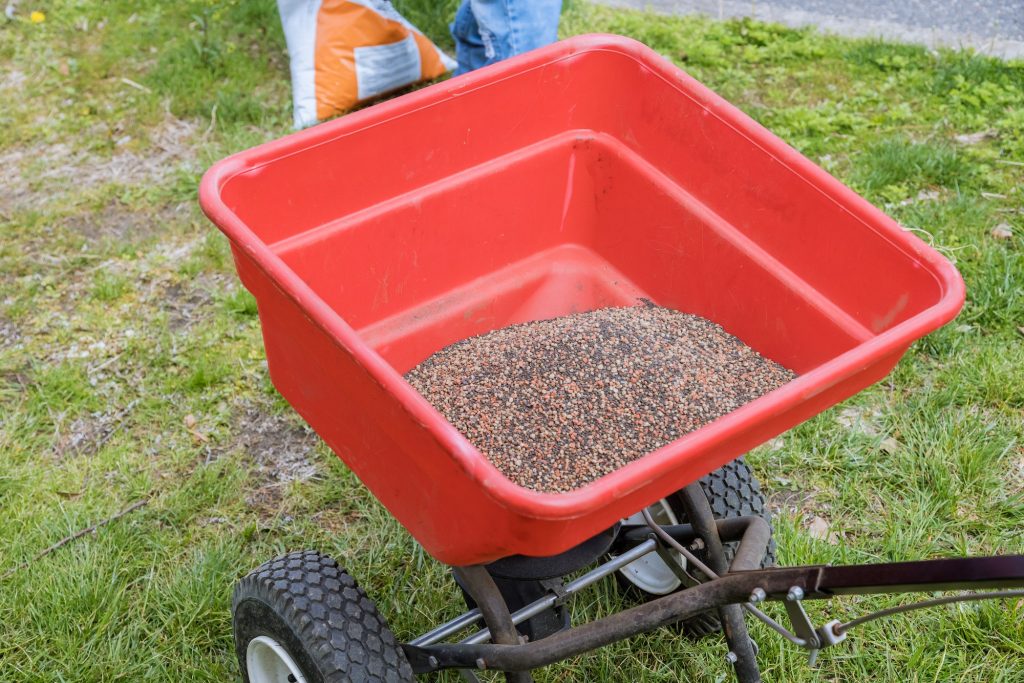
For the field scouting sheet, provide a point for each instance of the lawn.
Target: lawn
(132, 367)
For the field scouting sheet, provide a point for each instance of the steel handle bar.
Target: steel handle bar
(729, 589)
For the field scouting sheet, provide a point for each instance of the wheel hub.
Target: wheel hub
(650, 573)
(268, 662)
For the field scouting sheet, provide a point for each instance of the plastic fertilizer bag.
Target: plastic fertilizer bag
(345, 51)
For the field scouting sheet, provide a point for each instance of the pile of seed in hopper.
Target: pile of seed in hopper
(556, 404)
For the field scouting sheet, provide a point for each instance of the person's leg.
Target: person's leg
(469, 46)
(511, 27)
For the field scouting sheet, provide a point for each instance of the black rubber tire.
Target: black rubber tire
(317, 612)
(733, 491)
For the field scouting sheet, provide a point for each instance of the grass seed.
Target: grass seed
(556, 404)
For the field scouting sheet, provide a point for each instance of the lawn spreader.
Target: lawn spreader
(588, 174)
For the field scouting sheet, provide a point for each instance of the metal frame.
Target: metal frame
(730, 592)
(741, 648)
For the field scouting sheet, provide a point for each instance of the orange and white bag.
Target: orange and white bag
(345, 51)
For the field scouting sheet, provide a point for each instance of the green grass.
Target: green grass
(131, 361)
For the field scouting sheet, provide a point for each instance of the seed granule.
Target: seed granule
(556, 404)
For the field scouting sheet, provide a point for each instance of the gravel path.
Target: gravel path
(994, 27)
(558, 403)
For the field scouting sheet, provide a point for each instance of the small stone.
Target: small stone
(819, 528)
(922, 196)
(1003, 231)
(975, 138)
(859, 420)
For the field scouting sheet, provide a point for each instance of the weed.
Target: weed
(905, 166)
(108, 286)
(240, 303)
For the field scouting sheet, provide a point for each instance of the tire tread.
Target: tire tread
(338, 625)
(732, 491)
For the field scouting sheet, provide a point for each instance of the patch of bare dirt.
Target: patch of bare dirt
(183, 304)
(88, 434)
(279, 448)
(790, 502)
(18, 377)
(189, 302)
(860, 420)
(41, 176)
(786, 500)
(10, 334)
(116, 222)
(1017, 472)
(336, 521)
(84, 436)
(12, 79)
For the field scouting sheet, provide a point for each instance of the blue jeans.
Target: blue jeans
(488, 31)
